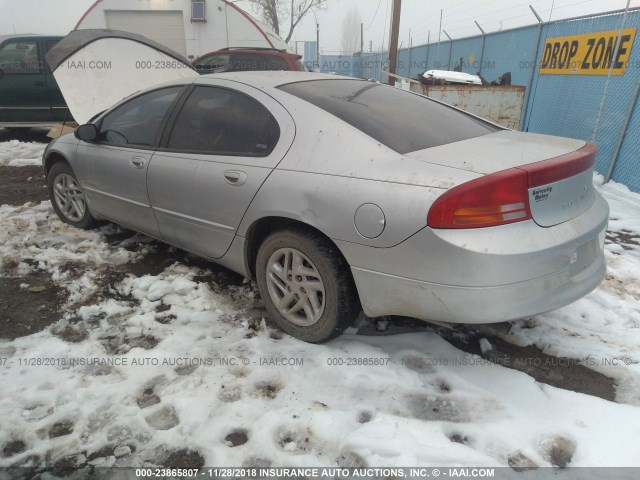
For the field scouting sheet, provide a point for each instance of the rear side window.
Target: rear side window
(219, 121)
(19, 56)
(400, 120)
(137, 122)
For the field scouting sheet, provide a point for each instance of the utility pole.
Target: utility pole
(393, 42)
(361, 38)
(439, 32)
(410, 54)
(318, 45)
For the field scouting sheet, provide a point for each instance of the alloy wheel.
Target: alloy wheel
(295, 287)
(69, 197)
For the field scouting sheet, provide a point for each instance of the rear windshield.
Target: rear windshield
(400, 120)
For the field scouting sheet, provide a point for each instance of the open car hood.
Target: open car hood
(95, 69)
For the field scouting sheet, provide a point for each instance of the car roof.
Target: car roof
(270, 79)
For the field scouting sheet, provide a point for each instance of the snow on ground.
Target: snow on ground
(34, 232)
(15, 153)
(606, 323)
(171, 361)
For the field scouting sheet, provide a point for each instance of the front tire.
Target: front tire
(305, 285)
(67, 197)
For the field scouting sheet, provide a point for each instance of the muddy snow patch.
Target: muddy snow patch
(15, 153)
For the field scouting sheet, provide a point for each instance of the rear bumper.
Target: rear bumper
(502, 280)
(383, 294)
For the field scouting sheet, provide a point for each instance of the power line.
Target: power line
(572, 4)
(448, 11)
(460, 17)
(384, 31)
(553, 4)
(468, 28)
(464, 3)
(374, 15)
(493, 12)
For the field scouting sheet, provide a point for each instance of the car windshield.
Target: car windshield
(400, 120)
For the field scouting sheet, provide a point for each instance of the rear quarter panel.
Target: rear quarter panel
(333, 168)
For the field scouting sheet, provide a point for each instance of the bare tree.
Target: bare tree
(277, 13)
(351, 32)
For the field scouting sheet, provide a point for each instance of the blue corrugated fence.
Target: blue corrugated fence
(565, 105)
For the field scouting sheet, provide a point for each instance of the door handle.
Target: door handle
(137, 162)
(39, 83)
(235, 177)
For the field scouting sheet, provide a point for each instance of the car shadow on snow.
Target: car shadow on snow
(490, 342)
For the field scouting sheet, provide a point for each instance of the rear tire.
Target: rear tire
(305, 285)
(67, 197)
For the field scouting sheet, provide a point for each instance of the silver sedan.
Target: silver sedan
(340, 195)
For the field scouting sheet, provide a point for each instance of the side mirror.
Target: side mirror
(87, 132)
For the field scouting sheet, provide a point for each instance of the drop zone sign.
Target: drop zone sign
(588, 54)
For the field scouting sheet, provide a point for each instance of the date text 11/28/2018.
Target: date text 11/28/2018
(314, 472)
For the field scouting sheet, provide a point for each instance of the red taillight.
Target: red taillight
(484, 202)
(503, 197)
(559, 168)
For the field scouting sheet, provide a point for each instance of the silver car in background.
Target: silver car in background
(338, 195)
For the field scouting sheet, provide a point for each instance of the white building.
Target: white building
(187, 26)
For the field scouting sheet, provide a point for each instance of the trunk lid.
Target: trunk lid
(562, 188)
(498, 151)
(559, 170)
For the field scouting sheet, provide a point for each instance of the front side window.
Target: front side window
(219, 121)
(138, 121)
(19, 56)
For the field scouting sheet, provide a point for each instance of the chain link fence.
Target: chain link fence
(578, 100)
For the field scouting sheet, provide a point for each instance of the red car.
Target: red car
(248, 59)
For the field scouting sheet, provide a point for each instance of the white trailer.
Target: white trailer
(191, 28)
